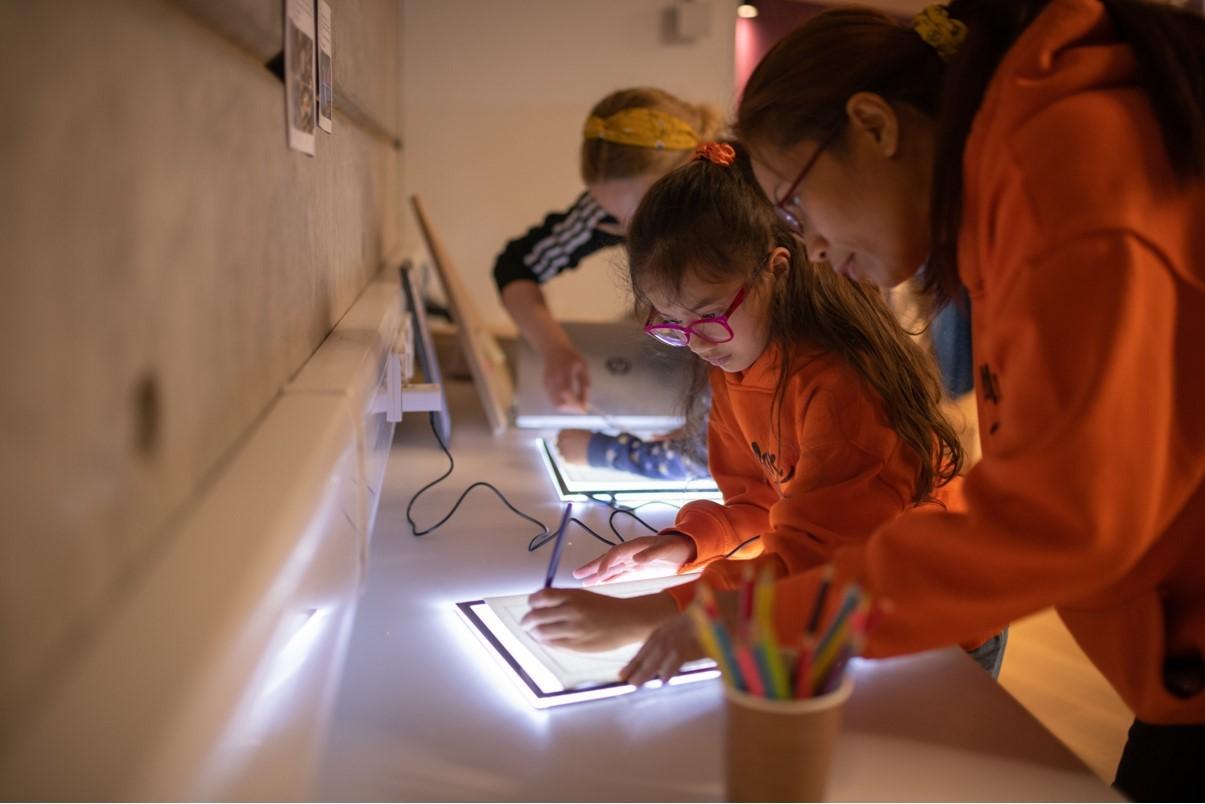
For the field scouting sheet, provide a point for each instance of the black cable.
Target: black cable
(618, 509)
(631, 511)
(545, 535)
(414, 531)
(539, 542)
(736, 549)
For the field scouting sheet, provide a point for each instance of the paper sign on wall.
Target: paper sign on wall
(300, 86)
(326, 76)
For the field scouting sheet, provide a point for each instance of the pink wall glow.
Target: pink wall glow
(776, 18)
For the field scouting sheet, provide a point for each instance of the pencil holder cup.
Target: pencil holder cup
(780, 750)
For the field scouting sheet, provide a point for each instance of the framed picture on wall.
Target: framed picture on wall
(300, 86)
(326, 66)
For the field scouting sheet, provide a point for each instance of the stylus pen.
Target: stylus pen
(558, 540)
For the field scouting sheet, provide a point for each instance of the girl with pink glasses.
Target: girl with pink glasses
(825, 419)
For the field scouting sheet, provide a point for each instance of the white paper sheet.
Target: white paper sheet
(572, 668)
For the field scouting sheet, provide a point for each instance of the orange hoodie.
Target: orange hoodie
(1085, 260)
(826, 471)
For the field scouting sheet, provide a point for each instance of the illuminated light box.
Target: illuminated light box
(550, 676)
(576, 483)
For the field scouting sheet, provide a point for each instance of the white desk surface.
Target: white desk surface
(425, 713)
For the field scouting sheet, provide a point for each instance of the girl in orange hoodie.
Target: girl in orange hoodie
(1049, 157)
(825, 420)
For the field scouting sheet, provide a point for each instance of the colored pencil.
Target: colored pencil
(803, 670)
(749, 670)
(826, 580)
(746, 601)
(706, 636)
(853, 595)
(726, 650)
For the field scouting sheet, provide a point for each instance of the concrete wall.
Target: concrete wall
(496, 94)
(168, 264)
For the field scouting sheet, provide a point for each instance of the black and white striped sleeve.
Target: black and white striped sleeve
(559, 243)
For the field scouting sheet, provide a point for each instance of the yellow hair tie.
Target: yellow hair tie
(643, 128)
(945, 35)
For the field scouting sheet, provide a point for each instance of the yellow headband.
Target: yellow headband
(945, 35)
(643, 128)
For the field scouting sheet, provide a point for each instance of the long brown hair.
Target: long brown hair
(604, 161)
(800, 88)
(713, 221)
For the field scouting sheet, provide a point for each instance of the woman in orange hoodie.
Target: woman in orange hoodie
(825, 419)
(1048, 156)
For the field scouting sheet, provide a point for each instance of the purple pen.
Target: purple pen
(558, 540)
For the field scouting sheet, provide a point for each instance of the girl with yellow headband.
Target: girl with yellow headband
(1047, 156)
(630, 139)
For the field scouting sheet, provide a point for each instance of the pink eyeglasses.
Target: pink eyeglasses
(711, 328)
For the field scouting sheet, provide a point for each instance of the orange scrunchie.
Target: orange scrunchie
(718, 153)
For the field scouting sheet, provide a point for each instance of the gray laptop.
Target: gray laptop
(636, 383)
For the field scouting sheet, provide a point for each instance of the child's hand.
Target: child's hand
(572, 445)
(567, 380)
(587, 621)
(670, 646)
(664, 550)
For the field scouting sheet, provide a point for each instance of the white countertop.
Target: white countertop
(425, 713)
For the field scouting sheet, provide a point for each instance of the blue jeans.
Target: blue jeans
(951, 334)
(990, 655)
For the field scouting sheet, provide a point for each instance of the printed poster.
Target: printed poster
(326, 76)
(300, 85)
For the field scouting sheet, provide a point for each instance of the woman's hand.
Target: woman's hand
(670, 646)
(588, 621)
(663, 550)
(566, 379)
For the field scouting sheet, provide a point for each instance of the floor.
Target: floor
(1048, 673)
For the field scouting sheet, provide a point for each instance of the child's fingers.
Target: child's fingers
(616, 570)
(587, 569)
(599, 580)
(639, 670)
(572, 444)
(653, 553)
(670, 664)
(610, 575)
(596, 566)
(562, 613)
(546, 598)
(619, 554)
(556, 631)
(537, 617)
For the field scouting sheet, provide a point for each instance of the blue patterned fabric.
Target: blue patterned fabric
(629, 453)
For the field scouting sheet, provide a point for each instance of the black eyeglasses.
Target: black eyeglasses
(791, 196)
